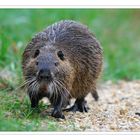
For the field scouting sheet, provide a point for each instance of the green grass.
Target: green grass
(16, 114)
(117, 30)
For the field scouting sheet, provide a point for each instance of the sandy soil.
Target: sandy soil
(115, 110)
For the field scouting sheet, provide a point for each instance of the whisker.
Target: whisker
(34, 90)
(21, 85)
(56, 91)
(60, 83)
(62, 89)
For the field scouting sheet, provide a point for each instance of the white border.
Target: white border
(71, 6)
(69, 133)
(69, 3)
(69, 136)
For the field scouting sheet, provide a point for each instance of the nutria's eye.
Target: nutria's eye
(60, 55)
(36, 53)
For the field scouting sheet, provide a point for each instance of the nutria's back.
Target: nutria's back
(81, 62)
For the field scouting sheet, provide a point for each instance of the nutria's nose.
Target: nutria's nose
(45, 74)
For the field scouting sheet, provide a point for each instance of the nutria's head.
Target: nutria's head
(47, 70)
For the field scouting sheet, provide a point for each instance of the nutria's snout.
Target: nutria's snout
(45, 75)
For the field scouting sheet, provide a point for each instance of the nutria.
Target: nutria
(62, 62)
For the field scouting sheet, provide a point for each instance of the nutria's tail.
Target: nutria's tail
(95, 95)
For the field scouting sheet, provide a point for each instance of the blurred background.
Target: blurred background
(118, 31)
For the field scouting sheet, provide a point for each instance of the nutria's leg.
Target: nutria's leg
(95, 95)
(34, 100)
(57, 111)
(79, 105)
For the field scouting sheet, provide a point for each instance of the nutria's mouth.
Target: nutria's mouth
(53, 86)
(44, 81)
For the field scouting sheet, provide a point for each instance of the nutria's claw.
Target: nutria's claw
(80, 106)
(57, 114)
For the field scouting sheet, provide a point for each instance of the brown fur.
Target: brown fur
(83, 56)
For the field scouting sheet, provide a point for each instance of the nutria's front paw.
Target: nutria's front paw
(34, 106)
(57, 114)
(35, 109)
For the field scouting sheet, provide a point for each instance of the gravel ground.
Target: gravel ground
(115, 110)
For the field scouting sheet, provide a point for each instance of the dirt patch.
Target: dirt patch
(115, 110)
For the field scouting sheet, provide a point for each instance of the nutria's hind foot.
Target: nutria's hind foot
(79, 105)
(95, 95)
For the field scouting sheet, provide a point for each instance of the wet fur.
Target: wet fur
(82, 66)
